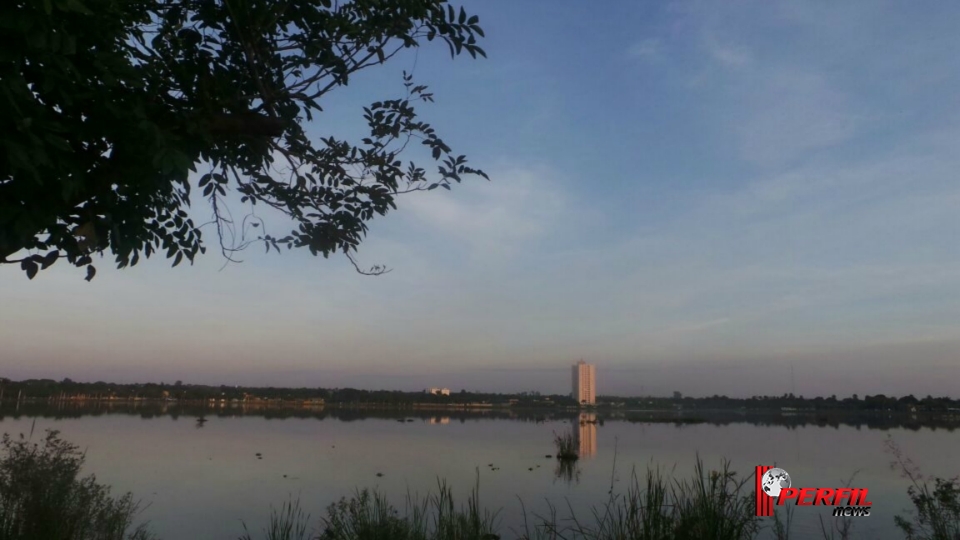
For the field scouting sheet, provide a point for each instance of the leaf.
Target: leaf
(91, 271)
(29, 267)
(76, 5)
(178, 258)
(49, 259)
(69, 44)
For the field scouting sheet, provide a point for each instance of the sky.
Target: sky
(704, 197)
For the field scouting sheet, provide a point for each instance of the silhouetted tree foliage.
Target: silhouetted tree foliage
(790, 403)
(107, 107)
(49, 389)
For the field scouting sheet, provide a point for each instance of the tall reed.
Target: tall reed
(287, 523)
(715, 505)
(368, 516)
(566, 446)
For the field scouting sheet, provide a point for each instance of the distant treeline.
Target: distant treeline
(66, 389)
(49, 389)
(790, 402)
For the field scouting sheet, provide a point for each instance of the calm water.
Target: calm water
(201, 482)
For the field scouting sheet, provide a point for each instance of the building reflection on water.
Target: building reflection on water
(587, 435)
(585, 439)
(440, 420)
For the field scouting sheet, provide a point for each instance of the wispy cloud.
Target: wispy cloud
(649, 50)
(791, 114)
(727, 55)
(495, 219)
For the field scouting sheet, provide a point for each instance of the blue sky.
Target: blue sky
(695, 196)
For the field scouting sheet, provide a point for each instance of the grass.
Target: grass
(287, 523)
(566, 447)
(840, 528)
(369, 516)
(782, 523)
(42, 496)
(715, 505)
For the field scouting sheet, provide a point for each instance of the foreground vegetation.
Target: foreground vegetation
(711, 505)
(43, 496)
(716, 505)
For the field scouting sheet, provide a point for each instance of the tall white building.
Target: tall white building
(585, 383)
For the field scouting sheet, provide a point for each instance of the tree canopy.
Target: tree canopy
(107, 106)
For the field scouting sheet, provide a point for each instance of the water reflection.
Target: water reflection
(568, 471)
(584, 433)
(587, 435)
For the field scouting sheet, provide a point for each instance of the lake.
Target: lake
(201, 480)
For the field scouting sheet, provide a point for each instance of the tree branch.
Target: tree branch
(375, 270)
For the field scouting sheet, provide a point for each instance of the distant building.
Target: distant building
(585, 383)
(440, 391)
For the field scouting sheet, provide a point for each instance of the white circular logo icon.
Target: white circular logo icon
(774, 480)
